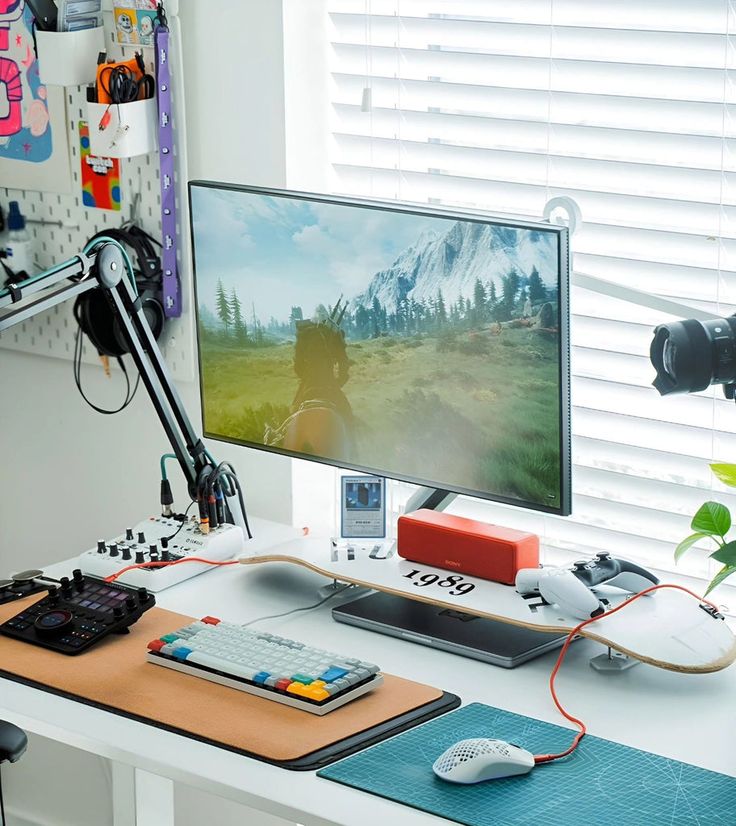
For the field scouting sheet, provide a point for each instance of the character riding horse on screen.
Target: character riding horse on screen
(321, 422)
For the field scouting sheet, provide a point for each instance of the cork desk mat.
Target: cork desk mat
(216, 714)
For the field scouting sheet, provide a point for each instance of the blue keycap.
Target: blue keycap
(261, 677)
(333, 674)
(181, 653)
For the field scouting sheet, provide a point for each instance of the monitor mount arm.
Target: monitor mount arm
(104, 268)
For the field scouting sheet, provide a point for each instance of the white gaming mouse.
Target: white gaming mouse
(479, 759)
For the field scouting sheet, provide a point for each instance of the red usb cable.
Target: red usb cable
(546, 758)
(165, 564)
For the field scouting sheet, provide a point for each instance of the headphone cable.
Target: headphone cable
(77, 365)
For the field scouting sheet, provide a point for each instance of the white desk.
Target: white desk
(684, 717)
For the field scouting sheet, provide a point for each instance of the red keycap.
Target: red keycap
(282, 684)
(211, 620)
(156, 645)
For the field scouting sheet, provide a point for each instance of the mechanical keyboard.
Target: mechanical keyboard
(149, 541)
(265, 665)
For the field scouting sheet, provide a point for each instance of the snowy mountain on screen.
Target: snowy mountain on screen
(452, 262)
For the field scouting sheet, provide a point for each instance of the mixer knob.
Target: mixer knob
(164, 542)
(153, 553)
(66, 587)
(141, 538)
(131, 604)
(142, 595)
(129, 534)
(118, 612)
(101, 546)
(140, 557)
(165, 555)
(126, 553)
(78, 579)
(53, 595)
(113, 549)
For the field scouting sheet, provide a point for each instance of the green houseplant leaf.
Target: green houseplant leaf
(726, 554)
(712, 519)
(686, 544)
(725, 472)
(726, 571)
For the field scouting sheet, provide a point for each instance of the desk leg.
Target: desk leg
(123, 794)
(140, 798)
(154, 800)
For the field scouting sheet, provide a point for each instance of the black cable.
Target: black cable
(77, 366)
(226, 471)
(123, 86)
(183, 522)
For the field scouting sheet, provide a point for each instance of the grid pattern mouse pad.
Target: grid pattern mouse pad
(601, 783)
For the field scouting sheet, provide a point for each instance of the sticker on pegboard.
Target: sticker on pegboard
(100, 177)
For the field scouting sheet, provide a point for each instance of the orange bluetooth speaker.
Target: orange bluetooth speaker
(466, 546)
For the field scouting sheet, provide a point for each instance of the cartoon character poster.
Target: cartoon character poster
(34, 151)
(135, 21)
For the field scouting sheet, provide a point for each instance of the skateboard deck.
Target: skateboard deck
(668, 629)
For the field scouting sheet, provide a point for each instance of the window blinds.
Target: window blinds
(627, 107)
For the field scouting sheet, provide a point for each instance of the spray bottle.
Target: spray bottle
(19, 243)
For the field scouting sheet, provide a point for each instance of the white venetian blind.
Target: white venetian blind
(626, 106)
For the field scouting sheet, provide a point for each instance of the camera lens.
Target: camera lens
(691, 355)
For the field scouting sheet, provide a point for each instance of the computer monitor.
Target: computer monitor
(413, 343)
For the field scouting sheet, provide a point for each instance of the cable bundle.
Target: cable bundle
(214, 485)
(123, 85)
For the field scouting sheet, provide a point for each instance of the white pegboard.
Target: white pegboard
(61, 225)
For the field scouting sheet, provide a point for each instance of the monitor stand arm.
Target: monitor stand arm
(105, 268)
(433, 499)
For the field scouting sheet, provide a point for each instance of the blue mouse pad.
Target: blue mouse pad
(600, 783)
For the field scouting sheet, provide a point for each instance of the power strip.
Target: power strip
(142, 543)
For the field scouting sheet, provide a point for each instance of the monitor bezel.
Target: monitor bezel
(562, 234)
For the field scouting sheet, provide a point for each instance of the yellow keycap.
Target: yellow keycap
(317, 693)
(297, 688)
(317, 684)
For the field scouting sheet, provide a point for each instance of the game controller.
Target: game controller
(572, 588)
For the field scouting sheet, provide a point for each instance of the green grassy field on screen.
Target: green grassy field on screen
(478, 409)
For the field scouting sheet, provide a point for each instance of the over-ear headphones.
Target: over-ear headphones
(92, 310)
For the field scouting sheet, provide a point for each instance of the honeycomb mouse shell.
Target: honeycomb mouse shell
(479, 759)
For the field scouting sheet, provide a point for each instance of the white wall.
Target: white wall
(234, 80)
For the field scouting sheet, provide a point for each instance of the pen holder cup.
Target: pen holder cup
(69, 58)
(131, 129)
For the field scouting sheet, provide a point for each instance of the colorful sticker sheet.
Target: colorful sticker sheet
(100, 176)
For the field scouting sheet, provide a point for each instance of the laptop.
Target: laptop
(497, 643)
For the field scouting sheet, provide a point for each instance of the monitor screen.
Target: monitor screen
(410, 343)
